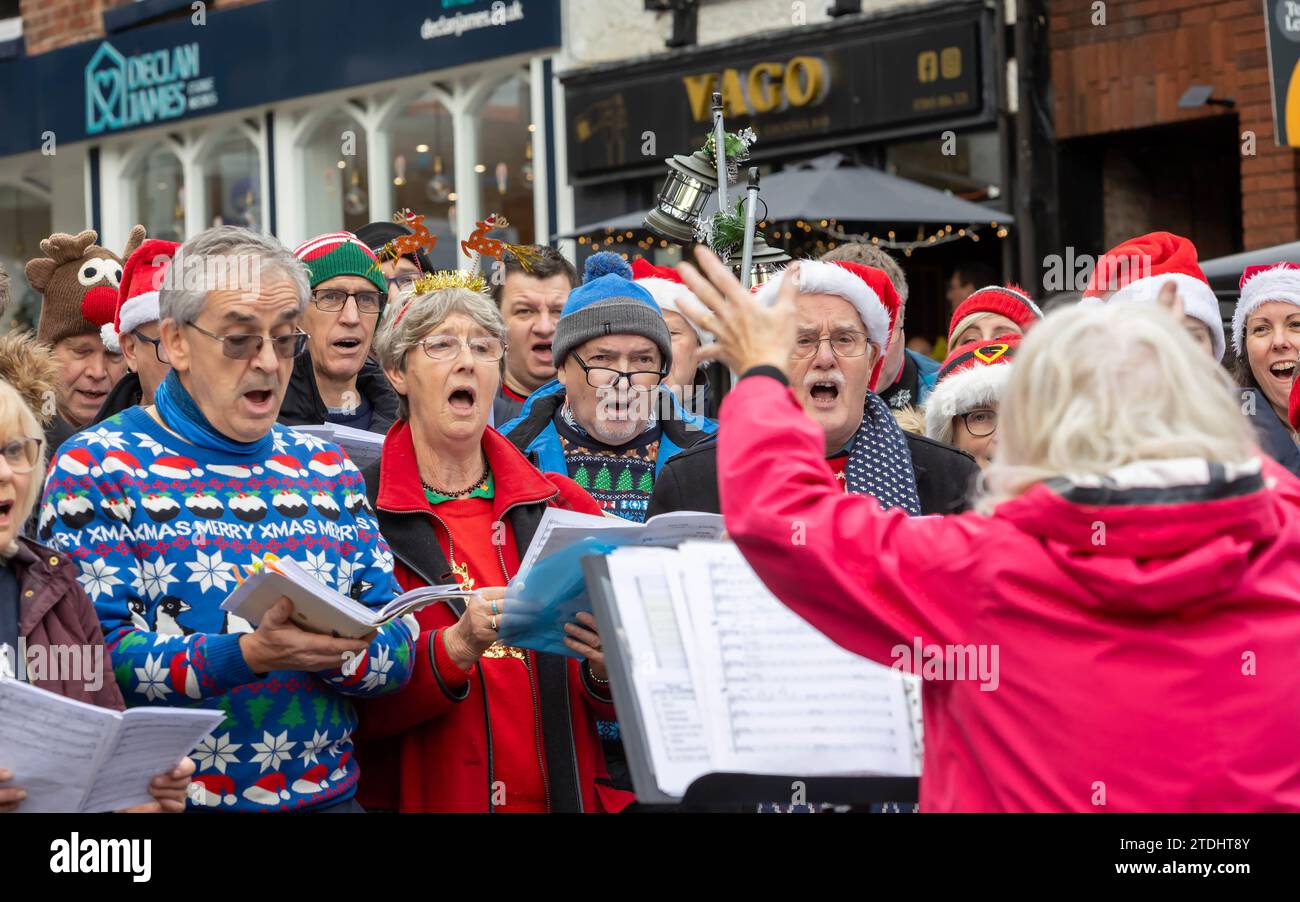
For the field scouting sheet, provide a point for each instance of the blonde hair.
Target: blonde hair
(1100, 386)
(416, 318)
(18, 421)
(910, 419)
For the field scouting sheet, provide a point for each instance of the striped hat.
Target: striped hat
(1011, 302)
(974, 374)
(340, 254)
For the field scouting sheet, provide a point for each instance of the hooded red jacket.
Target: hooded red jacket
(1146, 651)
(433, 747)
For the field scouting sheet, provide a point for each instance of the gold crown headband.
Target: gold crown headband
(438, 281)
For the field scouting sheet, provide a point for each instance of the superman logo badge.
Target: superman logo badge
(991, 353)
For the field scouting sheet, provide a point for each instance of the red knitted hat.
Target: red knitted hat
(1139, 268)
(974, 374)
(137, 296)
(1010, 301)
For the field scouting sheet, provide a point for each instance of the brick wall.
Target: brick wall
(1130, 73)
(51, 24)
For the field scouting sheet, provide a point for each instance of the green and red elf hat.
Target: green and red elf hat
(974, 375)
(340, 254)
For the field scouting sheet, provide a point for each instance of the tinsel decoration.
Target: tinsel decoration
(724, 233)
(736, 146)
(438, 281)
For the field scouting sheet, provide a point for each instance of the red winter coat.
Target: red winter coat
(430, 747)
(1147, 650)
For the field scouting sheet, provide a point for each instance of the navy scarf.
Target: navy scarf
(182, 415)
(880, 464)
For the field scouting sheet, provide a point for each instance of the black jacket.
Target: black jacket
(1273, 435)
(689, 481)
(125, 395)
(303, 406)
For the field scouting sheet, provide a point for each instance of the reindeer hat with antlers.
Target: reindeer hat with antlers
(78, 282)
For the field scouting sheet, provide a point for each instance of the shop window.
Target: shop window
(970, 167)
(337, 187)
(232, 181)
(424, 171)
(505, 163)
(24, 221)
(160, 195)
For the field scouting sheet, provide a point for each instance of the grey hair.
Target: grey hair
(221, 259)
(417, 318)
(873, 256)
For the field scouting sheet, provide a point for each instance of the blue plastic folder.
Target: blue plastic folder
(551, 595)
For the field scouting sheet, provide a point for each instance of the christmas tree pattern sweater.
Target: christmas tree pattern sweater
(160, 529)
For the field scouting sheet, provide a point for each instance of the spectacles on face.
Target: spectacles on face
(484, 348)
(21, 454)
(157, 346)
(243, 347)
(846, 343)
(332, 300)
(405, 282)
(981, 423)
(604, 377)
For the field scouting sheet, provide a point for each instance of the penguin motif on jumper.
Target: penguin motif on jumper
(165, 617)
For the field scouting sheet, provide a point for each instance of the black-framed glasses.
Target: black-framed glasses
(604, 377)
(844, 343)
(981, 423)
(332, 300)
(21, 454)
(242, 347)
(157, 345)
(405, 282)
(484, 348)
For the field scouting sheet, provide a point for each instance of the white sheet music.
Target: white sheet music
(729, 679)
(561, 528)
(675, 728)
(71, 756)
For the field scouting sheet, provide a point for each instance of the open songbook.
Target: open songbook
(72, 756)
(561, 528)
(711, 673)
(319, 608)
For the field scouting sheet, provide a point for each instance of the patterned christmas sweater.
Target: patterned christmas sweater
(160, 529)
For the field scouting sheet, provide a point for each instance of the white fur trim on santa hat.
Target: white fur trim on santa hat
(141, 309)
(816, 277)
(1280, 283)
(1199, 301)
(961, 393)
(668, 295)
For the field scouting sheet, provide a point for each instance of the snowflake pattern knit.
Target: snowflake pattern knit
(162, 531)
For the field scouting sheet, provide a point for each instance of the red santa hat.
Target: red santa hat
(211, 790)
(268, 790)
(668, 290)
(137, 296)
(314, 779)
(326, 463)
(1137, 269)
(122, 462)
(182, 675)
(868, 289)
(973, 376)
(1010, 301)
(1259, 285)
(175, 467)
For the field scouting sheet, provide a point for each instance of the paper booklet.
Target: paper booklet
(74, 757)
(318, 608)
(711, 673)
(362, 447)
(561, 528)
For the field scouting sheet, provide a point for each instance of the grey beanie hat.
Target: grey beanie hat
(610, 305)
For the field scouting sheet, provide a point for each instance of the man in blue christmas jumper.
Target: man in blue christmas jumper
(166, 508)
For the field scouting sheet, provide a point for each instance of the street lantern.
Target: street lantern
(767, 261)
(685, 193)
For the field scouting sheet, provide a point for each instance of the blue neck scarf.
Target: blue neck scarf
(182, 415)
(880, 463)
